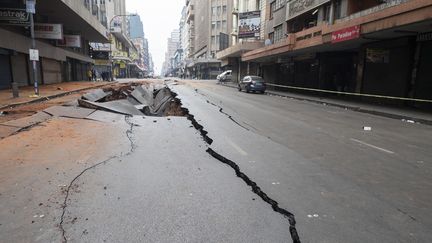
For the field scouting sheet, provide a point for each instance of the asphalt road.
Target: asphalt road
(343, 184)
(111, 178)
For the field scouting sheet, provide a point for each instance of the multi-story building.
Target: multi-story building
(189, 45)
(212, 25)
(151, 65)
(116, 58)
(247, 34)
(170, 67)
(136, 34)
(63, 30)
(366, 47)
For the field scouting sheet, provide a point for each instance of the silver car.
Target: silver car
(252, 83)
(225, 76)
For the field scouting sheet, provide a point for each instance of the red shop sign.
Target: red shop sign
(349, 33)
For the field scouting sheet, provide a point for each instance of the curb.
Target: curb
(45, 98)
(352, 108)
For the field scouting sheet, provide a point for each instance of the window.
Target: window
(218, 25)
(272, 7)
(338, 9)
(277, 5)
(213, 11)
(224, 25)
(271, 37)
(218, 10)
(224, 10)
(213, 39)
(213, 25)
(278, 34)
(217, 41)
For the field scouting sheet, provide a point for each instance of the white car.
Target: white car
(225, 76)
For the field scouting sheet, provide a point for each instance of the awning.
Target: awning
(203, 61)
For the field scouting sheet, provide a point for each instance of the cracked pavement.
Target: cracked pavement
(238, 168)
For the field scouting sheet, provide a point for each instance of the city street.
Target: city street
(236, 167)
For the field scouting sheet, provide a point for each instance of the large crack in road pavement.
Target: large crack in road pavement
(129, 133)
(221, 110)
(204, 134)
(255, 188)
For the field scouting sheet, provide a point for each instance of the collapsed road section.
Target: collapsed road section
(159, 100)
(133, 100)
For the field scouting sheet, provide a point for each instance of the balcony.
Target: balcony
(388, 4)
(238, 49)
(76, 17)
(190, 13)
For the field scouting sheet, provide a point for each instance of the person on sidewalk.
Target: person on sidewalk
(94, 74)
(89, 74)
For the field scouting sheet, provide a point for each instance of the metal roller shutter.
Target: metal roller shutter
(5, 72)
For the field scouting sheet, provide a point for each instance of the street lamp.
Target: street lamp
(110, 31)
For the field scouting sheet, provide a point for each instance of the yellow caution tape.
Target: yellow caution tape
(353, 94)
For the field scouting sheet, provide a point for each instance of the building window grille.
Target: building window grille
(278, 34)
(278, 4)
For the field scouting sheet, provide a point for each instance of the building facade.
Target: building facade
(247, 34)
(63, 30)
(366, 47)
(209, 24)
(169, 67)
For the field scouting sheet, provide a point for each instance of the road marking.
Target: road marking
(241, 151)
(372, 146)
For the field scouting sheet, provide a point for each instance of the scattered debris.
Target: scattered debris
(408, 121)
(367, 128)
(275, 183)
(59, 88)
(134, 100)
(96, 95)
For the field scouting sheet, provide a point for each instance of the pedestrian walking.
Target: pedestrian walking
(94, 76)
(89, 75)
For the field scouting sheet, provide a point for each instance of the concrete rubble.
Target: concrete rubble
(141, 100)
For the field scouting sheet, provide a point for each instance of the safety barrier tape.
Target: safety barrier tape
(353, 94)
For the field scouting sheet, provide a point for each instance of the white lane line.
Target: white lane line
(241, 151)
(372, 146)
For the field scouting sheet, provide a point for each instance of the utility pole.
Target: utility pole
(34, 54)
(34, 62)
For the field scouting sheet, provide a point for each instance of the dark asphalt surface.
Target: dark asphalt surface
(168, 190)
(151, 179)
(342, 183)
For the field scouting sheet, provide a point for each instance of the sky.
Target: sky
(159, 18)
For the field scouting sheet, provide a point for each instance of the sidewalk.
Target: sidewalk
(402, 113)
(45, 91)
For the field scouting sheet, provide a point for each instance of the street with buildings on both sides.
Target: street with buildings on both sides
(336, 150)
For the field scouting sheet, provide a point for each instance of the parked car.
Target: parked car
(225, 76)
(252, 83)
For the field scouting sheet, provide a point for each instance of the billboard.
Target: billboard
(12, 16)
(70, 41)
(346, 34)
(249, 24)
(48, 31)
(298, 7)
